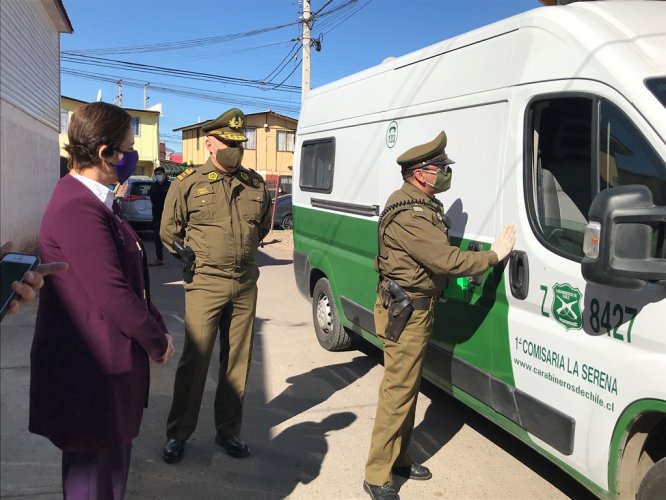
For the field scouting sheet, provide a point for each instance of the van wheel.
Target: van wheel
(288, 222)
(330, 334)
(653, 484)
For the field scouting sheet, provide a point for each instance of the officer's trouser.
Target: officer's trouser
(398, 392)
(211, 304)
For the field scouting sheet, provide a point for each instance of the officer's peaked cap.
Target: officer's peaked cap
(229, 126)
(430, 153)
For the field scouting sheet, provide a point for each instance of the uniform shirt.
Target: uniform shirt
(158, 193)
(414, 248)
(221, 217)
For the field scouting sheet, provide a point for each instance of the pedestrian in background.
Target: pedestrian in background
(414, 262)
(158, 193)
(219, 212)
(96, 327)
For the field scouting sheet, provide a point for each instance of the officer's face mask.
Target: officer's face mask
(231, 156)
(442, 179)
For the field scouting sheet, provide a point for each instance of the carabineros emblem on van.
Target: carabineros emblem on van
(566, 306)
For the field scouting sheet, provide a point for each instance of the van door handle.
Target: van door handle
(519, 274)
(475, 246)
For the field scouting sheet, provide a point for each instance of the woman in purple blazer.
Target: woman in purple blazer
(96, 326)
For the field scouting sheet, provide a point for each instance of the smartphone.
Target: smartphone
(12, 268)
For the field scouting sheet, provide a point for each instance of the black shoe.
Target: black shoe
(174, 451)
(234, 446)
(414, 471)
(386, 492)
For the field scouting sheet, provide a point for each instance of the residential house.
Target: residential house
(29, 116)
(146, 126)
(269, 149)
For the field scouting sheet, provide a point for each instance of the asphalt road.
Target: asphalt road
(308, 418)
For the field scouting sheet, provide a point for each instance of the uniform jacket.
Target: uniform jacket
(222, 218)
(95, 328)
(414, 248)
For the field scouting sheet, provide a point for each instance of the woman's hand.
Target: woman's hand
(169, 351)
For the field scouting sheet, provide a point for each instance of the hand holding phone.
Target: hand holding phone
(13, 267)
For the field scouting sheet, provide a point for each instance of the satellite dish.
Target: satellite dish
(99, 95)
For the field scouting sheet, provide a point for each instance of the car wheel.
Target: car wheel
(653, 484)
(330, 333)
(288, 222)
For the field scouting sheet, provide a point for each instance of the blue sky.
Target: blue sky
(359, 34)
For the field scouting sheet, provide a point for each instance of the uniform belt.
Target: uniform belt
(418, 303)
(421, 303)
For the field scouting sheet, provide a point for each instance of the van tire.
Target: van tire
(653, 484)
(330, 333)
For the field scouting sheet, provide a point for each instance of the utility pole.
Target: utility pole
(305, 86)
(119, 97)
(145, 95)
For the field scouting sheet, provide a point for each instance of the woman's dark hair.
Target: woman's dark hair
(92, 126)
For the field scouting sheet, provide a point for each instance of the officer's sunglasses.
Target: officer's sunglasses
(436, 168)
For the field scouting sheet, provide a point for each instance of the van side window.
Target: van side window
(317, 160)
(579, 146)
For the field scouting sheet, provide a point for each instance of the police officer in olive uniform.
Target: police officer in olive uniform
(219, 213)
(415, 260)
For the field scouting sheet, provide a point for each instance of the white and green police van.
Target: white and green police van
(556, 119)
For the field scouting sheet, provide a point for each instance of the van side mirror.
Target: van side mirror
(624, 241)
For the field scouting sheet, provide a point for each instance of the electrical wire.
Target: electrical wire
(190, 92)
(161, 70)
(179, 45)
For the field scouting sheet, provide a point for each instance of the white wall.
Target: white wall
(29, 169)
(29, 117)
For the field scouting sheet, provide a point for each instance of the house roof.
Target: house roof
(66, 25)
(272, 113)
(124, 107)
(172, 167)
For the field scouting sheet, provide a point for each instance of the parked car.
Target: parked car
(283, 218)
(134, 199)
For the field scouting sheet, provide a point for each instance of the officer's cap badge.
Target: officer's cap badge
(236, 121)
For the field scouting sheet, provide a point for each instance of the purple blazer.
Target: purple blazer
(95, 328)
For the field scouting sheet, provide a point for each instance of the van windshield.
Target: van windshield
(658, 87)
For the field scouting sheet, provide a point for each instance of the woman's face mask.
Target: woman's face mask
(159, 177)
(126, 166)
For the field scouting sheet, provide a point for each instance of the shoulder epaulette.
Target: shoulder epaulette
(249, 177)
(187, 172)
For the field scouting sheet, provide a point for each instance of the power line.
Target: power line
(278, 69)
(179, 73)
(179, 45)
(191, 93)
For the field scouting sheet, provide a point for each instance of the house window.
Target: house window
(251, 134)
(580, 146)
(317, 161)
(285, 140)
(135, 125)
(64, 121)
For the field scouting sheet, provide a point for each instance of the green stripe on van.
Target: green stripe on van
(472, 322)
